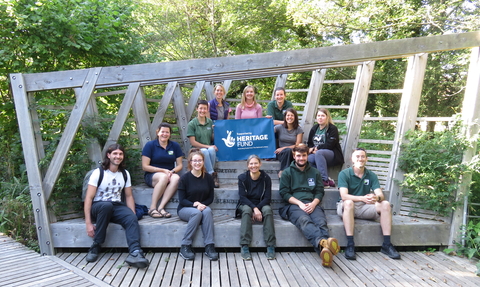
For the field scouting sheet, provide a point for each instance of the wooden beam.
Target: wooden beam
(192, 103)
(162, 108)
(281, 81)
(142, 118)
(70, 130)
(407, 119)
(122, 116)
(313, 97)
(356, 113)
(30, 153)
(182, 118)
(273, 63)
(470, 118)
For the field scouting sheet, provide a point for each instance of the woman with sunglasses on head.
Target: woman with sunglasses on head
(195, 193)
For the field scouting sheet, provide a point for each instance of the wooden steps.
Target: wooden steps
(167, 233)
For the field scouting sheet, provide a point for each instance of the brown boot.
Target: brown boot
(215, 179)
(330, 243)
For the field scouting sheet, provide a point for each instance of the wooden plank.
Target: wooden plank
(305, 278)
(116, 271)
(313, 98)
(287, 272)
(274, 63)
(175, 259)
(437, 278)
(209, 91)
(160, 269)
(229, 259)
(280, 82)
(192, 102)
(328, 274)
(244, 277)
(377, 265)
(185, 277)
(267, 268)
(356, 278)
(182, 118)
(37, 191)
(198, 272)
(412, 91)
(356, 113)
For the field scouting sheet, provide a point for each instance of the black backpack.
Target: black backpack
(86, 179)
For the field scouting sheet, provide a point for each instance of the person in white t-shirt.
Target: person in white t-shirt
(103, 204)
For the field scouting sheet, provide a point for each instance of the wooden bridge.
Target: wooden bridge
(187, 81)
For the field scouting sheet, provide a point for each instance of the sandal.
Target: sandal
(154, 213)
(165, 213)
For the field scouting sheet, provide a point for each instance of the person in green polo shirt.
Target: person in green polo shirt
(362, 197)
(200, 134)
(276, 109)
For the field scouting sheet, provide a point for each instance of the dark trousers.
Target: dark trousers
(285, 158)
(313, 225)
(246, 232)
(104, 212)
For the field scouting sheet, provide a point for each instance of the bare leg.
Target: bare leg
(169, 190)
(348, 216)
(159, 182)
(385, 216)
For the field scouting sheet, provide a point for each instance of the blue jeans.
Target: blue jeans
(210, 157)
(104, 212)
(194, 218)
(313, 226)
(321, 159)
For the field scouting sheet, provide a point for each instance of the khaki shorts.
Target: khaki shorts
(362, 210)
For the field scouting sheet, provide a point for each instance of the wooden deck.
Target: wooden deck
(20, 266)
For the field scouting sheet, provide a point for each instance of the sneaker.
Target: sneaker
(186, 252)
(390, 251)
(271, 252)
(326, 184)
(93, 252)
(327, 257)
(137, 259)
(332, 244)
(245, 252)
(210, 252)
(331, 183)
(350, 252)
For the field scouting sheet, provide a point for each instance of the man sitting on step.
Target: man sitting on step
(357, 201)
(103, 204)
(302, 188)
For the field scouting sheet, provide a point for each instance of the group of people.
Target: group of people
(303, 176)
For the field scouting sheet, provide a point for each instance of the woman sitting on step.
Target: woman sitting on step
(195, 193)
(324, 146)
(161, 161)
(255, 193)
(289, 134)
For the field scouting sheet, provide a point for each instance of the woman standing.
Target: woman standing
(324, 144)
(200, 133)
(255, 192)
(219, 109)
(289, 134)
(248, 107)
(161, 161)
(195, 193)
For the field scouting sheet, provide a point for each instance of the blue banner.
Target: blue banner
(238, 139)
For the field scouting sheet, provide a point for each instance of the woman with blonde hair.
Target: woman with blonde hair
(219, 109)
(324, 146)
(248, 107)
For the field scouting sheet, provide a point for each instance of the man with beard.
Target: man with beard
(301, 188)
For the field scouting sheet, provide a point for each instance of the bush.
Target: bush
(432, 162)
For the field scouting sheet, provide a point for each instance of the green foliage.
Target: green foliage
(16, 212)
(471, 238)
(432, 162)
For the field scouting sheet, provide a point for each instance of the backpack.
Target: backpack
(86, 179)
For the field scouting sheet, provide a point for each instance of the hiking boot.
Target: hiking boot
(210, 252)
(350, 252)
(271, 252)
(330, 243)
(93, 252)
(327, 257)
(186, 252)
(245, 252)
(390, 251)
(137, 259)
(215, 179)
